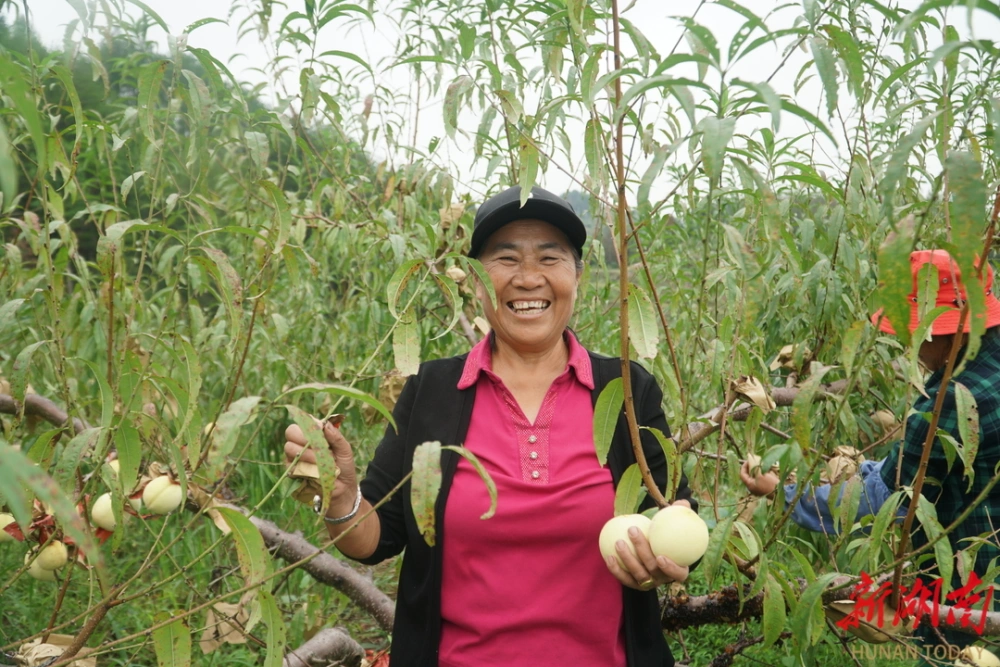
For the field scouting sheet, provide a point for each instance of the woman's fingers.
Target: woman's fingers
(643, 570)
(292, 450)
(294, 434)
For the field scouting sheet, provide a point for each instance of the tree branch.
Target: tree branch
(328, 570)
(330, 646)
(40, 407)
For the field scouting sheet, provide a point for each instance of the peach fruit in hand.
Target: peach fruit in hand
(617, 529)
(678, 533)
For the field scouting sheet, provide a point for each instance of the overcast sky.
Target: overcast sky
(249, 57)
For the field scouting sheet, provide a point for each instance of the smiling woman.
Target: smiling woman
(530, 584)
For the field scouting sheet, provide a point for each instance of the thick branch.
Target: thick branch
(330, 571)
(40, 407)
(697, 431)
(330, 646)
(723, 606)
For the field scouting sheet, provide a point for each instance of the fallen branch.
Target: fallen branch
(330, 646)
(724, 606)
(328, 570)
(38, 406)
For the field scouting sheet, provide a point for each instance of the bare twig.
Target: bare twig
(330, 646)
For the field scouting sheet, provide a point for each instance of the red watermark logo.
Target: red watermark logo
(916, 602)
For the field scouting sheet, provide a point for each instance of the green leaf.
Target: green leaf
(765, 94)
(17, 474)
(66, 79)
(774, 611)
(129, 448)
(644, 331)
(968, 428)
(200, 22)
(72, 456)
(452, 98)
(276, 631)
(398, 281)
(450, 291)
(716, 134)
(809, 610)
(282, 215)
(810, 118)
(895, 171)
(661, 81)
(312, 429)
(630, 491)
(802, 408)
(15, 87)
(849, 345)
(968, 202)
(193, 370)
(172, 642)
(593, 145)
(346, 392)
(847, 49)
(896, 279)
(491, 486)
(527, 167)
(674, 465)
(226, 433)
(8, 314)
(129, 182)
(927, 515)
(231, 287)
(258, 147)
(826, 66)
(424, 487)
(150, 79)
(477, 268)
(255, 562)
(885, 517)
(606, 413)
(19, 371)
(406, 344)
(718, 541)
(8, 172)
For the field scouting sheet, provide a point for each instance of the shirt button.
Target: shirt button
(535, 474)
(533, 455)
(532, 439)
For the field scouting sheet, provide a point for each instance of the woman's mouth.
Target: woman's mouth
(528, 307)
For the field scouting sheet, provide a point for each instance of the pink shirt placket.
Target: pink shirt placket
(529, 584)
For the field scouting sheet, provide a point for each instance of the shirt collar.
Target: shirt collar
(480, 359)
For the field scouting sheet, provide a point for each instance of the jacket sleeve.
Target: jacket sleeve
(388, 466)
(649, 412)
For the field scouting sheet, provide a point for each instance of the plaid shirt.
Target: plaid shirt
(947, 489)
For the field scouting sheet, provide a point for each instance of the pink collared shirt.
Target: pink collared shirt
(529, 586)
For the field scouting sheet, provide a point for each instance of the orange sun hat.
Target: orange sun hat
(950, 293)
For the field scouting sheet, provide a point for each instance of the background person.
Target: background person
(947, 486)
(528, 585)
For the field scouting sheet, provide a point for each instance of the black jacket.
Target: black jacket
(431, 407)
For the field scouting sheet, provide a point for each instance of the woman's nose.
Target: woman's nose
(529, 275)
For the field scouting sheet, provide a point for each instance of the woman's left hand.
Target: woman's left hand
(643, 570)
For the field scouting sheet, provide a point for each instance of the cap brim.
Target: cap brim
(534, 209)
(946, 323)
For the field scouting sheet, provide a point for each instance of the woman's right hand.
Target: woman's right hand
(346, 487)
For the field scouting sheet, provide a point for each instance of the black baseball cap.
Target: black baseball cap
(542, 205)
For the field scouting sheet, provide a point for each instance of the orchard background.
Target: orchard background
(186, 256)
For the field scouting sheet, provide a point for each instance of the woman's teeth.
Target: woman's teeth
(528, 307)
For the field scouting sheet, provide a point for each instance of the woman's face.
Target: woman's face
(535, 278)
